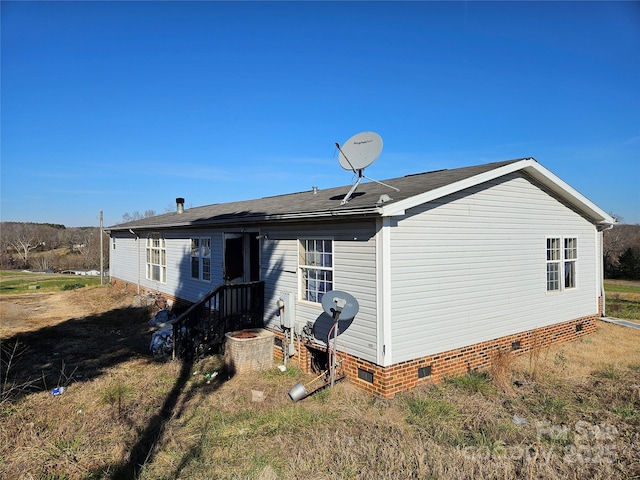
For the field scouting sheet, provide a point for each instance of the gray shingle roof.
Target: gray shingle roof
(306, 205)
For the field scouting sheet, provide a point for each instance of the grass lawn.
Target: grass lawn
(623, 299)
(17, 282)
(570, 411)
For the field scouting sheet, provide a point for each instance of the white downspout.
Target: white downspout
(138, 244)
(383, 292)
(602, 292)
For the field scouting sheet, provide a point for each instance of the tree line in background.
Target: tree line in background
(47, 246)
(622, 252)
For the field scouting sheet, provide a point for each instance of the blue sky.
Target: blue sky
(124, 106)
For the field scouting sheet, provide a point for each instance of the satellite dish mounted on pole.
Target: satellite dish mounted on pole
(340, 306)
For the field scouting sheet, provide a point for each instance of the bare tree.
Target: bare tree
(613, 245)
(25, 245)
(136, 215)
(43, 262)
(22, 238)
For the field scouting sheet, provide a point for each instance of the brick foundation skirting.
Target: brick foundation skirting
(400, 377)
(432, 369)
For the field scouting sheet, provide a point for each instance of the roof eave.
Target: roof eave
(400, 207)
(529, 166)
(231, 220)
(570, 195)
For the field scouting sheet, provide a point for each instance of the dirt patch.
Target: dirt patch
(30, 312)
(70, 336)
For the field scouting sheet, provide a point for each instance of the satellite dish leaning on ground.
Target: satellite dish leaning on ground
(360, 151)
(333, 300)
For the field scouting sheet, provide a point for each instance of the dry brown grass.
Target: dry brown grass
(611, 345)
(500, 370)
(128, 416)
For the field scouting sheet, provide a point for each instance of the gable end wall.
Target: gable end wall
(471, 268)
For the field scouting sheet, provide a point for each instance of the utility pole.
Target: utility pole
(101, 252)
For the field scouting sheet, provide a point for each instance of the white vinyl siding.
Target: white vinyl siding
(179, 253)
(128, 263)
(353, 263)
(469, 267)
(466, 268)
(353, 271)
(123, 262)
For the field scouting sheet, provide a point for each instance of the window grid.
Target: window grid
(316, 268)
(156, 258)
(201, 258)
(570, 258)
(553, 264)
(562, 255)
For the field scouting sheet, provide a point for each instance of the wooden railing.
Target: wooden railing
(227, 308)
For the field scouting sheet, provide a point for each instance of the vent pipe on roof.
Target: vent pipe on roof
(180, 205)
(315, 190)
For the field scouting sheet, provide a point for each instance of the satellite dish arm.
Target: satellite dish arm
(345, 157)
(381, 183)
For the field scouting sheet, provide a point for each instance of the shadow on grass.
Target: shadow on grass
(143, 452)
(76, 350)
(82, 349)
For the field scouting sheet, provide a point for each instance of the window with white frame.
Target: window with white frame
(553, 264)
(570, 259)
(201, 258)
(315, 262)
(156, 258)
(562, 257)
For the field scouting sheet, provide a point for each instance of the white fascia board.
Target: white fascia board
(531, 167)
(569, 194)
(400, 207)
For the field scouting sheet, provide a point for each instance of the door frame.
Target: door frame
(250, 247)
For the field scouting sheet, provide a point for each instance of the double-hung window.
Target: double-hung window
(570, 259)
(156, 258)
(201, 258)
(562, 258)
(315, 262)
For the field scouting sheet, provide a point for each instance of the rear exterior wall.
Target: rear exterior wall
(354, 271)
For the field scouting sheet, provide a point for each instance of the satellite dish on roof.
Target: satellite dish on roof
(360, 151)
